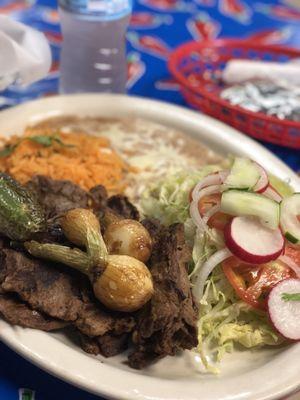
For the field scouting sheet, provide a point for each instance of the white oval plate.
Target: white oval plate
(260, 375)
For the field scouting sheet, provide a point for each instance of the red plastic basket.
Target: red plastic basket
(197, 66)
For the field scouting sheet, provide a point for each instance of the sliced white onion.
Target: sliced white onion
(212, 179)
(206, 270)
(194, 211)
(196, 217)
(207, 191)
(291, 263)
(223, 175)
(206, 217)
(272, 194)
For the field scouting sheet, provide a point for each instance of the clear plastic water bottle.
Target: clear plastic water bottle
(93, 55)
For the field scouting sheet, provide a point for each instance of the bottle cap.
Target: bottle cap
(108, 9)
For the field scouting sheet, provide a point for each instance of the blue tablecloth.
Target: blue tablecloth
(157, 26)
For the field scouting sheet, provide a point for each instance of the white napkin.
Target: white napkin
(25, 55)
(283, 74)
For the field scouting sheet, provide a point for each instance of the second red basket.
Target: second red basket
(197, 66)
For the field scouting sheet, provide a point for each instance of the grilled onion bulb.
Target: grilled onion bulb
(120, 282)
(128, 237)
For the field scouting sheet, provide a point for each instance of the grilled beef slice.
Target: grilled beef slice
(42, 286)
(122, 206)
(59, 293)
(94, 320)
(98, 195)
(164, 326)
(18, 313)
(57, 196)
(108, 345)
(167, 323)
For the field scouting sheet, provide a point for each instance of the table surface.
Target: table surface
(151, 37)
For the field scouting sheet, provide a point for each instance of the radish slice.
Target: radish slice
(272, 194)
(263, 181)
(291, 264)
(212, 179)
(253, 242)
(206, 270)
(285, 314)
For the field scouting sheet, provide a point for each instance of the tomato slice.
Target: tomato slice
(207, 202)
(219, 219)
(252, 283)
(293, 253)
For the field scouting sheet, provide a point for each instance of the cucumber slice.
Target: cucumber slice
(244, 174)
(283, 188)
(291, 238)
(238, 202)
(290, 209)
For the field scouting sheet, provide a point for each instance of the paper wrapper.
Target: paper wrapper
(283, 74)
(25, 54)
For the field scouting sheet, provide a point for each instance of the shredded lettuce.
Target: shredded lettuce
(248, 335)
(224, 320)
(168, 200)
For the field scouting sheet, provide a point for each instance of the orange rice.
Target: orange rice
(91, 161)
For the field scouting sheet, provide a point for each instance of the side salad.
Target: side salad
(244, 227)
